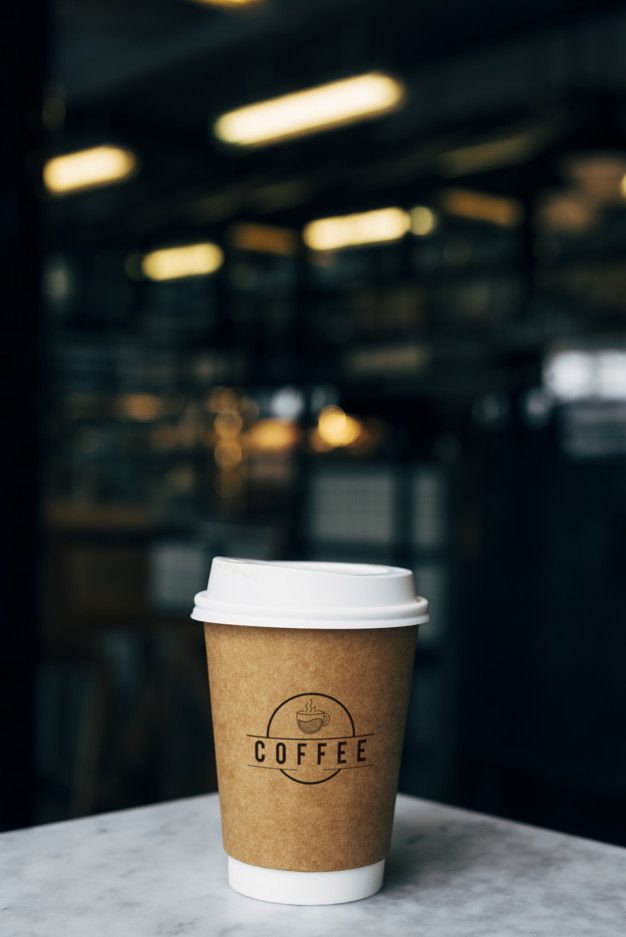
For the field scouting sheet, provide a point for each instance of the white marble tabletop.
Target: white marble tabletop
(160, 871)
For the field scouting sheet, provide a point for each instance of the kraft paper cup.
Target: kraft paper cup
(310, 668)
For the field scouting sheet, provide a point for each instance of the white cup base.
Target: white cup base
(283, 887)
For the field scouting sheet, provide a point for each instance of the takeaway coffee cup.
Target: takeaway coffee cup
(309, 670)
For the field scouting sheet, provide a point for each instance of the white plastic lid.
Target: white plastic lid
(309, 595)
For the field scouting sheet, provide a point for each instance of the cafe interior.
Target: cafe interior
(332, 281)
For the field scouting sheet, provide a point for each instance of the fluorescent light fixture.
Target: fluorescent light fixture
(189, 260)
(423, 220)
(227, 4)
(321, 108)
(369, 227)
(87, 169)
(482, 206)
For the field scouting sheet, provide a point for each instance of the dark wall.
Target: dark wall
(23, 57)
(543, 694)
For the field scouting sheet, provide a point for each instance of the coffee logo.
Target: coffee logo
(288, 745)
(310, 719)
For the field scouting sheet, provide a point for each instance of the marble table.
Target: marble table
(160, 871)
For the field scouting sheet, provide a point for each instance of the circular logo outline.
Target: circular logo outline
(297, 696)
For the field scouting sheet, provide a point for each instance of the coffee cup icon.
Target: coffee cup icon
(310, 719)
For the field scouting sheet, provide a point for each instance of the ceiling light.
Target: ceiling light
(190, 260)
(369, 227)
(321, 108)
(86, 169)
(482, 206)
(423, 220)
(227, 3)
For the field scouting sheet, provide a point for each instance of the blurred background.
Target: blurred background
(339, 280)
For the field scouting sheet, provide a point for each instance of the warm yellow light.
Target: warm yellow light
(321, 108)
(191, 260)
(598, 175)
(228, 453)
(272, 435)
(370, 227)
(86, 169)
(221, 399)
(336, 428)
(227, 3)
(482, 206)
(423, 220)
(567, 212)
(228, 424)
(316, 443)
(140, 406)
(264, 239)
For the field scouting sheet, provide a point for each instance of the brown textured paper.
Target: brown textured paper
(308, 728)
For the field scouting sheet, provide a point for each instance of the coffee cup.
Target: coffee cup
(310, 667)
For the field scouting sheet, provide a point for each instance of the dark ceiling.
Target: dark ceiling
(154, 74)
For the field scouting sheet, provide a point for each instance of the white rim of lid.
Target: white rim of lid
(276, 594)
